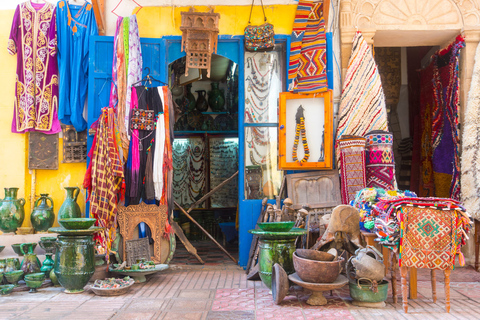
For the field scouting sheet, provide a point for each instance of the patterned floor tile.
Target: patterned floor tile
(231, 315)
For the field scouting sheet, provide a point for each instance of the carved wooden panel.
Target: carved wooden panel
(42, 151)
(154, 216)
(74, 145)
(318, 189)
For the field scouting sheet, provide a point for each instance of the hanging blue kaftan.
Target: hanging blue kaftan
(75, 26)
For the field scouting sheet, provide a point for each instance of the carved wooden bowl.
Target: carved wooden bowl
(317, 271)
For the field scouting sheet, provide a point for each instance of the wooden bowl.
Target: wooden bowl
(317, 271)
(314, 255)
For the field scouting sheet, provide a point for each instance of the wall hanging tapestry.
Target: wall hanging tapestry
(362, 105)
(445, 140)
(471, 147)
(259, 38)
(380, 163)
(75, 25)
(308, 65)
(352, 166)
(33, 35)
(199, 38)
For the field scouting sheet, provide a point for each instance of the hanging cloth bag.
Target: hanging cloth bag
(259, 38)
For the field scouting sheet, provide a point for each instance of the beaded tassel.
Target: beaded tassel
(300, 130)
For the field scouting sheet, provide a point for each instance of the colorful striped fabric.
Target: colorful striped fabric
(312, 62)
(352, 166)
(362, 105)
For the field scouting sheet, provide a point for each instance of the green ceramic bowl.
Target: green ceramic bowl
(33, 284)
(35, 276)
(283, 226)
(13, 276)
(1, 248)
(6, 289)
(77, 223)
(16, 248)
(48, 239)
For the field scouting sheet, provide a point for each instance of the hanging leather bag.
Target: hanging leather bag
(259, 38)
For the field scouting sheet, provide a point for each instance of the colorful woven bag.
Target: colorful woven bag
(259, 38)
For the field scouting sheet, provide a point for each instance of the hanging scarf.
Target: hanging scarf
(168, 156)
(159, 151)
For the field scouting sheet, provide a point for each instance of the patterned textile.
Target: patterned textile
(430, 237)
(362, 105)
(312, 64)
(105, 178)
(471, 147)
(405, 149)
(33, 36)
(380, 165)
(445, 140)
(352, 166)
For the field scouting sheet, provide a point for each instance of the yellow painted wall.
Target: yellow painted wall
(155, 22)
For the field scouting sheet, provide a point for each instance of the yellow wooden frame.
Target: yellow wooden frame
(327, 163)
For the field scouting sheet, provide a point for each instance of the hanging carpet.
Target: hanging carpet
(471, 147)
(380, 165)
(352, 166)
(362, 105)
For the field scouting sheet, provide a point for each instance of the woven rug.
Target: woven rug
(312, 66)
(471, 147)
(445, 140)
(429, 237)
(362, 105)
(352, 166)
(380, 165)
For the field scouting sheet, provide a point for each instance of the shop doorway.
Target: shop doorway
(206, 153)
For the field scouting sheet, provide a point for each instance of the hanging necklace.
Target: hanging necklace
(300, 129)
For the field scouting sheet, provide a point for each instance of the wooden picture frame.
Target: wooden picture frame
(318, 117)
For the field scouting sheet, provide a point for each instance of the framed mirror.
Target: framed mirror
(305, 131)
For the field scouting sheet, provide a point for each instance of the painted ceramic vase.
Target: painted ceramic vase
(74, 262)
(202, 104)
(42, 216)
(11, 211)
(70, 207)
(47, 265)
(216, 98)
(30, 263)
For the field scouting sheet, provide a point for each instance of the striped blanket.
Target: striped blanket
(362, 105)
(352, 166)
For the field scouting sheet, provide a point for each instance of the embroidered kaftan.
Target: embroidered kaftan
(33, 38)
(75, 25)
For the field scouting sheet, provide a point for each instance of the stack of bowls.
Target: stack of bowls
(34, 280)
(316, 271)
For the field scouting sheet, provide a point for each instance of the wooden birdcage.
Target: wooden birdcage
(199, 38)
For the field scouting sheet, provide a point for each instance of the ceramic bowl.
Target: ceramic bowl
(13, 276)
(33, 284)
(1, 248)
(16, 248)
(6, 289)
(314, 271)
(49, 239)
(283, 226)
(35, 276)
(77, 223)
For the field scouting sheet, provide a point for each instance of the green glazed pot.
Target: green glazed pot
(216, 98)
(47, 265)
(70, 207)
(11, 211)
(74, 262)
(42, 216)
(275, 251)
(11, 264)
(53, 277)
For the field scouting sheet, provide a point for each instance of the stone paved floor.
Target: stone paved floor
(222, 292)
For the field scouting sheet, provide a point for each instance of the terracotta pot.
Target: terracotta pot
(317, 271)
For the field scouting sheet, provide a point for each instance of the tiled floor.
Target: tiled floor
(222, 292)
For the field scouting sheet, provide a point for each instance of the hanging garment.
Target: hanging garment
(362, 105)
(471, 147)
(308, 65)
(445, 140)
(75, 26)
(380, 165)
(352, 166)
(34, 39)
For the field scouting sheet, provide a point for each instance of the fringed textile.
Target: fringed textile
(352, 166)
(380, 165)
(445, 140)
(362, 105)
(471, 146)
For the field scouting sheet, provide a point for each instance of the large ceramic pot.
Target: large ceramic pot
(42, 216)
(11, 211)
(201, 104)
(216, 98)
(275, 251)
(74, 262)
(189, 98)
(70, 208)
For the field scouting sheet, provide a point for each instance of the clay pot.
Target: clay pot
(317, 271)
(70, 207)
(12, 212)
(42, 216)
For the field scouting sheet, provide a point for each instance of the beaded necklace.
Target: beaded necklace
(300, 129)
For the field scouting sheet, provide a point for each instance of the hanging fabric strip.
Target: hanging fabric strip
(159, 152)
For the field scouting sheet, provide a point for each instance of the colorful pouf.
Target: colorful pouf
(352, 166)
(380, 165)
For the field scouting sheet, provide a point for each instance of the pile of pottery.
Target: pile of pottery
(365, 272)
(112, 286)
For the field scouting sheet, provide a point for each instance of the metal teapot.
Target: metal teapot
(368, 263)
